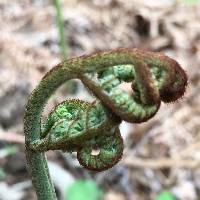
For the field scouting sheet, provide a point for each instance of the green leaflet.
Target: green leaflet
(165, 195)
(84, 190)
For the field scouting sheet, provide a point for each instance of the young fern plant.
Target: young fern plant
(78, 126)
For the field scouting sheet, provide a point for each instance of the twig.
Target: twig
(12, 137)
(135, 162)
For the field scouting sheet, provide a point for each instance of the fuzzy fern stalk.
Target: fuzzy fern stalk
(78, 126)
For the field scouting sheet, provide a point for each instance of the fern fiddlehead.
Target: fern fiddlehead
(75, 125)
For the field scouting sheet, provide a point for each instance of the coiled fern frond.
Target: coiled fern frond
(75, 125)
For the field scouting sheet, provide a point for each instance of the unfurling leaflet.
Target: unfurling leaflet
(78, 126)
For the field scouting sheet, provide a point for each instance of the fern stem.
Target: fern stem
(61, 32)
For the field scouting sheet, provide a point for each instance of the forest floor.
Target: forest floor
(160, 155)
